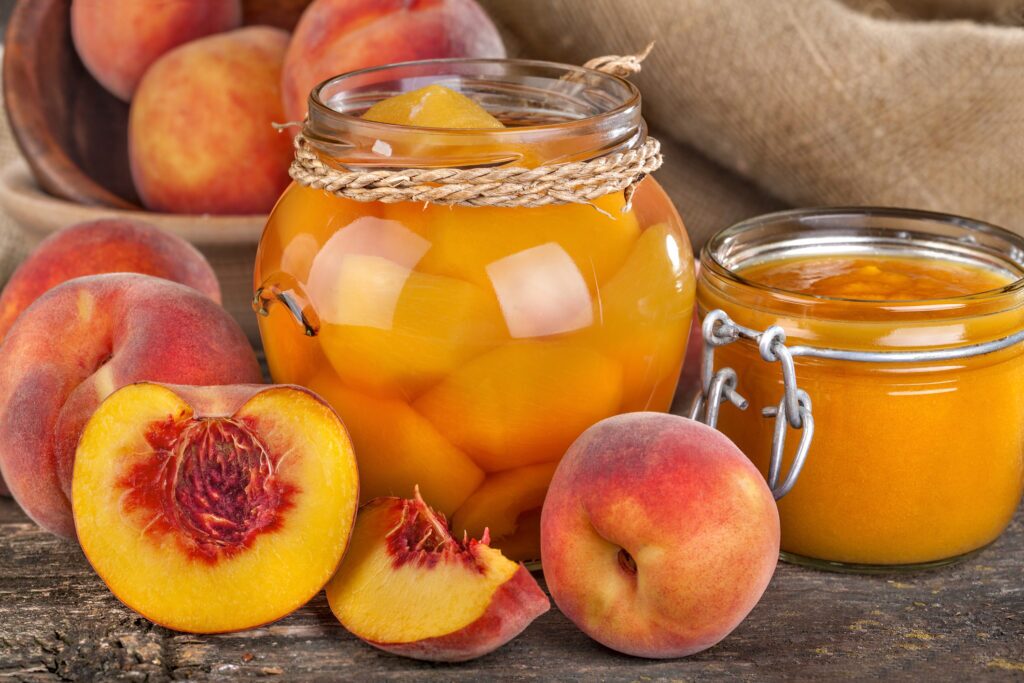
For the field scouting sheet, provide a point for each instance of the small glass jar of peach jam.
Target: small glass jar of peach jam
(906, 331)
(467, 347)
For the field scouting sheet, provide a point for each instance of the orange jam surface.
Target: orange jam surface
(466, 348)
(910, 463)
(875, 278)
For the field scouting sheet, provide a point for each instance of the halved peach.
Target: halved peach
(394, 331)
(397, 448)
(409, 587)
(210, 509)
(523, 403)
(508, 505)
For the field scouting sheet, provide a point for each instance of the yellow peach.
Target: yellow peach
(508, 505)
(211, 509)
(644, 318)
(410, 587)
(658, 536)
(394, 331)
(433, 106)
(466, 240)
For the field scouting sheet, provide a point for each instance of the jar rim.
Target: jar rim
(318, 108)
(804, 220)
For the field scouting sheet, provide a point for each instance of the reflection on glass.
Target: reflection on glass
(541, 292)
(386, 250)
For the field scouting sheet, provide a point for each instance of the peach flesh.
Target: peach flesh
(409, 587)
(658, 536)
(433, 106)
(211, 509)
(213, 480)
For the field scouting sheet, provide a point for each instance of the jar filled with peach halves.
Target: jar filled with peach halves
(467, 342)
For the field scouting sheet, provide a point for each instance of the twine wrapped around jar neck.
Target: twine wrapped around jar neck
(504, 186)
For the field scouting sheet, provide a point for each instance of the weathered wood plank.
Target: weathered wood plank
(58, 622)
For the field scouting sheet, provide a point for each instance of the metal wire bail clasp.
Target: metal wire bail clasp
(793, 410)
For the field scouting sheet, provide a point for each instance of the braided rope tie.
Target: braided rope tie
(507, 186)
(622, 66)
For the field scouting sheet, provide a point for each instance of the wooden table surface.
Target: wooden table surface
(59, 622)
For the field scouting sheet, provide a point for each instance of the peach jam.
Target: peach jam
(905, 329)
(467, 347)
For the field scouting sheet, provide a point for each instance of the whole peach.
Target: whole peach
(200, 133)
(658, 536)
(119, 39)
(108, 245)
(79, 342)
(336, 36)
(103, 246)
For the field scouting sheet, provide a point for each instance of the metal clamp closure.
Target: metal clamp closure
(793, 410)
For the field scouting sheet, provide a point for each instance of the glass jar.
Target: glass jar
(467, 347)
(917, 457)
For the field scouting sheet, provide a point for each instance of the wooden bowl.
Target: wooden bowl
(73, 133)
(228, 242)
(74, 137)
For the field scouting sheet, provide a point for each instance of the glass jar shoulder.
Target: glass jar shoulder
(398, 297)
(563, 259)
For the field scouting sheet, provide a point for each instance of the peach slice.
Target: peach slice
(398, 448)
(394, 331)
(466, 240)
(645, 313)
(433, 106)
(523, 403)
(409, 587)
(508, 504)
(210, 509)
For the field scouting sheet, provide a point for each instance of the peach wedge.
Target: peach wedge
(409, 587)
(394, 331)
(211, 509)
(398, 448)
(508, 507)
(523, 403)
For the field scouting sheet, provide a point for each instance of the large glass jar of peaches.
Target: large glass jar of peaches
(467, 347)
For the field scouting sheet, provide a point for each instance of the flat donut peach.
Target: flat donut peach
(78, 343)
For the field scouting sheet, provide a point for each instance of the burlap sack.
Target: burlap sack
(770, 103)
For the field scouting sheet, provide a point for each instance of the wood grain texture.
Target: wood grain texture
(59, 622)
